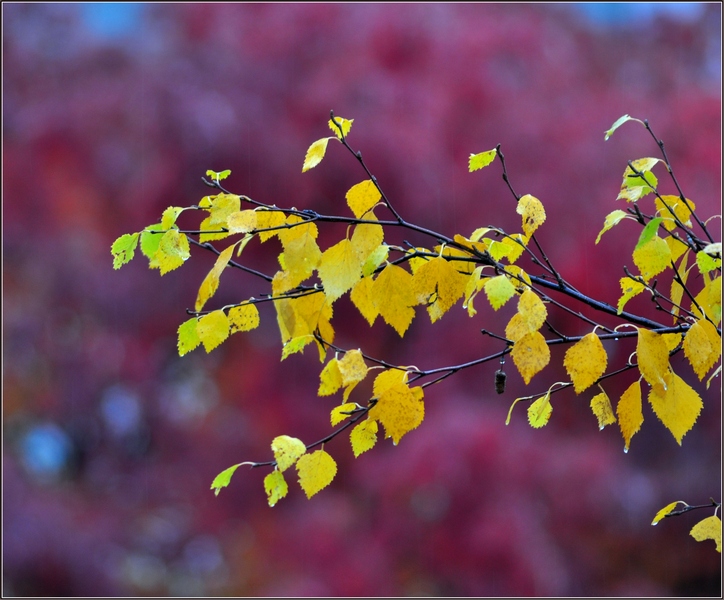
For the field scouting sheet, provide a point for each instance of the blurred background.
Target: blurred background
(112, 112)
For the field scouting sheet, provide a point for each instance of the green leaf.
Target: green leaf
(612, 219)
(218, 176)
(223, 479)
(151, 240)
(705, 262)
(275, 486)
(296, 344)
(618, 124)
(188, 338)
(648, 232)
(480, 160)
(123, 249)
(173, 251)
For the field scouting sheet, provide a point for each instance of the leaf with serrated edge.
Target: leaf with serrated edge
(340, 413)
(612, 219)
(363, 436)
(702, 346)
(630, 414)
(213, 329)
(275, 487)
(394, 298)
(438, 285)
(173, 251)
(316, 471)
(315, 154)
(345, 124)
(602, 409)
(330, 379)
(287, 450)
(399, 409)
(663, 512)
(243, 318)
(211, 282)
(339, 269)
(534, 215)
(530, 355)
(652, 258)
(499, 290)
(223, 479)
(188, 338)
(539, 413)
(480, 160)
(363, 298)
(362, 197)
(353, 369)
(677, 405)
(585, 362)
(123, 249)
(629, 288)
(652, 355)
(708, 529)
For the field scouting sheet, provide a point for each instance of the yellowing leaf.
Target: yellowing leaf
(702, 346)
(499, 290)
(394, 297)
(242, 221)
(365, 240)
(363, 298)
(275, 487)
(630, 413)
(211, 282)
(472, 287)
(363, 197)
(220, 207)
(375, 259)
(123, 249)
(601, 407)
(353, 369)
(672, 340)
(150, 240)
(315, 154)
(709, 299)
(218, 176)
(213, 329)
(363, 436)
(585, 362)
(301, 256)
(629, 288)
(480, 160)
(677, 290)
(652, 355)
(677, 248)
(677, 405)
(516, 328)
(345, 124)
(399, 409)
(287, 450)
(173, 251)
(439, 286)
(534, 215)
(188, 338)
(223, 479)
(330, 379)
(532, 309)
(612, 219)
(674, 206)
(635, 187)
(664, 512)
(708, 529)
(296, 344)
(540, 411)
(387, 379)
(707, 263)
(316, 471)
(340, 413)
(618, 124)
(168, 219)
(339, 269)
(530, 355)
(652, 258)
(269, 219)
(243, 318)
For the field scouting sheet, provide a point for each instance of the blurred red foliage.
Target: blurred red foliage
(111, 441)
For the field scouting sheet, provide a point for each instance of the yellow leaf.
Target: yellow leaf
(540, 411)
(375, 259)
(340, 413)
(211, 282)
(519, 278)
(363, 298)
(301, 257)
(394, 297)
(220, 207)
(530, 355)
(363, 436)
(677, 290)
(213, 329)
(243, 221)
(480, 160)
(345, 124)
(472, 287)
(188, 338)
(702, 346)
(387, 379)
(173, 251)
(296, 344)
(516, 244)
(287, 451)
(303, 316)
(585, 362)
(339, 269)
(363, 197)
(673, 205)
(269, 219)
(353, 369)
(601, 407)
(499, 290)
(316, 471)
(653, 356)
(330, 379)
(714, 297)
(534, 215)
(677, 405)
(652, 257)
(672, 340)
(399, 409)
(439, 286)
(516, 328)
(612, 219)
(275, 486)
(365, 240)
(708, 529)
(629, 288)
(664, 512)
(630, 413)
(315, 154)
(243, 318)
(677, 248)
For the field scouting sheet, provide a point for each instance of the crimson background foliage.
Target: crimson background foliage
(112, 113)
